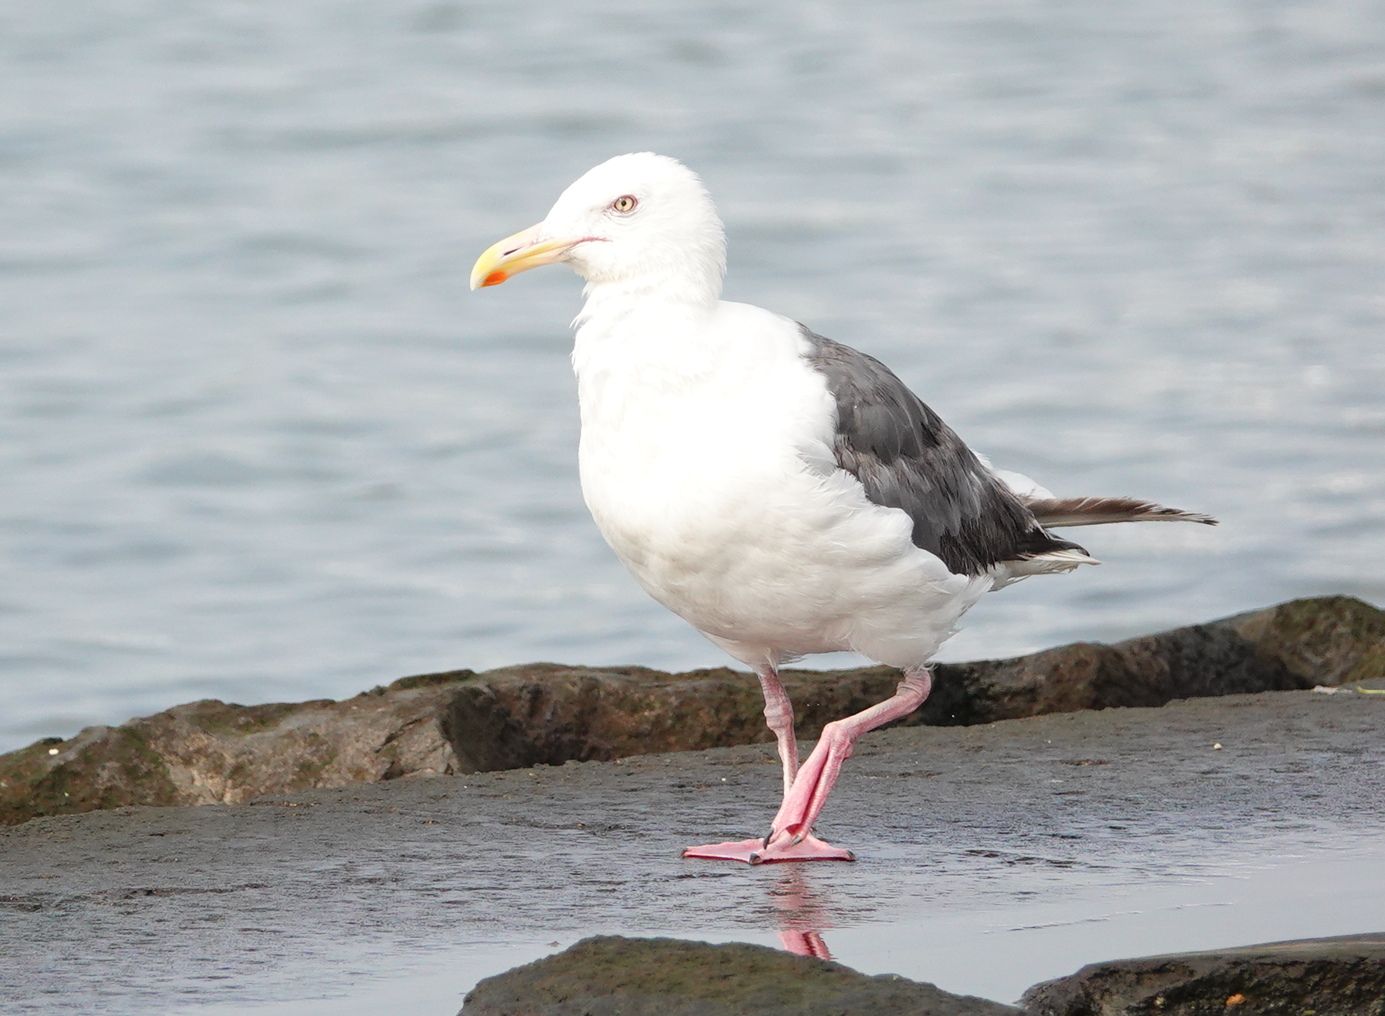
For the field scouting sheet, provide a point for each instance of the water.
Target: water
(994, 944)
(258, 441)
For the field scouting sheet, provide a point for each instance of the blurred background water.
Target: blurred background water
(257, 441)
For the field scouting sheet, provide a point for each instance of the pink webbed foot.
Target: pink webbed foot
(806, 788)
(781, 848)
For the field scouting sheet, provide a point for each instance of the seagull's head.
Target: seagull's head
(639, 219)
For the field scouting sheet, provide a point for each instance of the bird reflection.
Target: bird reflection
(800, 913)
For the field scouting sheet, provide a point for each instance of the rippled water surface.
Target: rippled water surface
(258, 440)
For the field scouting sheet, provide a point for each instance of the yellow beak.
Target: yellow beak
(515, 254)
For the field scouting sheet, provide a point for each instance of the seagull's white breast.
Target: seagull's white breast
(706, 461)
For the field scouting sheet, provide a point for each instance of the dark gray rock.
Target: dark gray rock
(617, 976)
(461, 722)
(1325, 977)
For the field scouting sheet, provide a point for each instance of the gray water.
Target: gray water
(257, 441)
(992, 941)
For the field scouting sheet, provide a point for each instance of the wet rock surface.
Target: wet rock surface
(311, 895)
(616, 976)
(1327, 977)
(462, 722)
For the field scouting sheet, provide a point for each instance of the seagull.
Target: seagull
(781, 492)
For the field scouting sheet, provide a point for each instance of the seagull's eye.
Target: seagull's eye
(625, 204)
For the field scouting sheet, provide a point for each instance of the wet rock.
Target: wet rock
(611, 975)
(1326, 977)
(1330, 641)
(438, 724)
(459, 722)
(385, 894)
(546, 714)
(211, 752)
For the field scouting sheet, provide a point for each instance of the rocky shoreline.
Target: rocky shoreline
(211, 752)
(1015, 790)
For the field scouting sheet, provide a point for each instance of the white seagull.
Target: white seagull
(782, 493)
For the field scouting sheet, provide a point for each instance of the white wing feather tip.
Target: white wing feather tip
(1066, 557)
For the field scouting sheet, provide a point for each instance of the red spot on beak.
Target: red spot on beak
(495, 278)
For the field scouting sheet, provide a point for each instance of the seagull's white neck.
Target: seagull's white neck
(676, 296)
(644, 327)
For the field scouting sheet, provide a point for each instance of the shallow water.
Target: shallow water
(1007, 931)
(259, 442)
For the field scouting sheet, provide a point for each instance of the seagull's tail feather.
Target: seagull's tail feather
(1098, 511)
(1060, 556)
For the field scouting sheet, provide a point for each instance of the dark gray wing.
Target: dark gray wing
(907, 458)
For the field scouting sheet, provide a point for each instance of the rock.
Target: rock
(211, 752)
(439, 724)
(610, 975)
(1326, 977)
(459, 722)
(668, 977)
(1330, 640)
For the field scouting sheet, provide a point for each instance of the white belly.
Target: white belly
(720, 494)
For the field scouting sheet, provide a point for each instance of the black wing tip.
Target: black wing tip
(1179, 515)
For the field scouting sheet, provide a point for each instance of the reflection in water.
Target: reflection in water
(805, 943)
(801, 912)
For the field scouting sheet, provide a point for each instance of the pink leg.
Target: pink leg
(779, 717)
(791, 837)
(792, 828)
